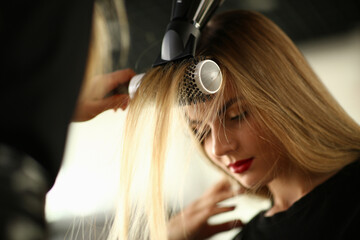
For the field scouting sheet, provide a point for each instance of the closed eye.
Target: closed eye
(201, 135)
(239, 117)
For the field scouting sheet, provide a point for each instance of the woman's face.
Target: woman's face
(235, 143)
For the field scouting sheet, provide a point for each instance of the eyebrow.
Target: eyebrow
(227, 105)
(221, 111)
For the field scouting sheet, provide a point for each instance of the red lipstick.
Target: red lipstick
(240, 166)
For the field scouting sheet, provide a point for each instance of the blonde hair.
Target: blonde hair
(276, 85)
(144, 216)
(282, 91)
(105, 37)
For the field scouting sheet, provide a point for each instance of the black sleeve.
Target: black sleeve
(44, 47)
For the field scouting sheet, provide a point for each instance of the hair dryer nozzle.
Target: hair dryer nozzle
(183, 31)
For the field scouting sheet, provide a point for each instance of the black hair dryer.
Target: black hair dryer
(183, 31)
(188, 17)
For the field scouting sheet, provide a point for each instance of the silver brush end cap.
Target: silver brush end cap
(208, 76)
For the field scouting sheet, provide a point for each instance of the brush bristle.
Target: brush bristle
(189, 91)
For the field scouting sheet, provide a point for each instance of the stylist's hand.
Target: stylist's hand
(93, 101)
(192, 222)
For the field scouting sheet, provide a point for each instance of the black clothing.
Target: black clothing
(23, 184)
(330, 211)
(44, 47)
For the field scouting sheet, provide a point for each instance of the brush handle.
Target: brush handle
(129, 88)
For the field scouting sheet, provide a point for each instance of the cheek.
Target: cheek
(208, 148)
(207, 145)
(248, 141)
(252, 139)
(267, 156)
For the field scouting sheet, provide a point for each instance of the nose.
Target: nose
(223, 141)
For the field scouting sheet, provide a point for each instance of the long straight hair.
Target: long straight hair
(275, 84)
(141, 212)
(282, 91)
(105, 37)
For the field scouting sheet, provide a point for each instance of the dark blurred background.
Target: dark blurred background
(302, 20)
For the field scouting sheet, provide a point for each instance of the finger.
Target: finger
(219, 210)
(214, 200)
(222, 196)
(218, 228)
(240, 190)
(123, 101)
(113, 102)
(205, 213)
(222, 185)
(118, 77)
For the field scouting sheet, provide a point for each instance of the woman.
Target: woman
(273, 128)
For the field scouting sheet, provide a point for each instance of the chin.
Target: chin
(249, 181)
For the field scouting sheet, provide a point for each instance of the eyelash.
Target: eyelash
(203, 135)
(240, 116)
(200, 136)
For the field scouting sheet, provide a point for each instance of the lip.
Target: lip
(240, 166)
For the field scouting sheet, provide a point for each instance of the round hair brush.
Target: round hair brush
(202, 79)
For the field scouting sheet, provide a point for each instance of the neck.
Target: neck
(288, 188)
